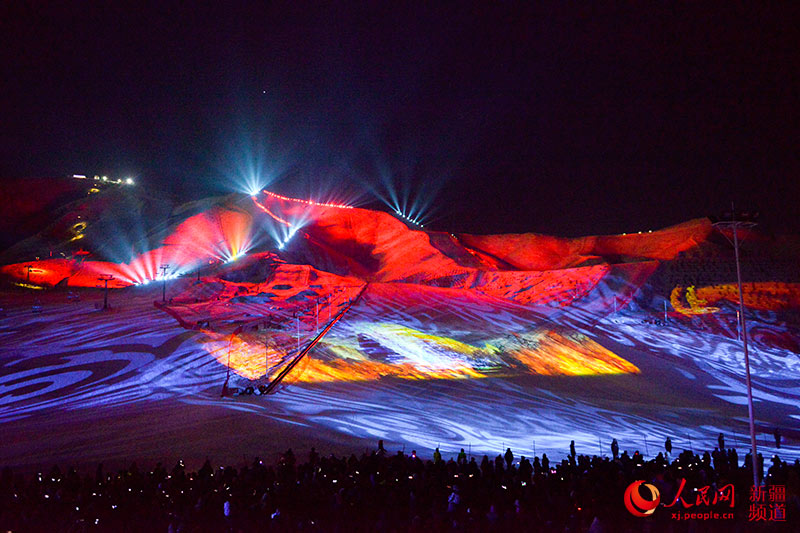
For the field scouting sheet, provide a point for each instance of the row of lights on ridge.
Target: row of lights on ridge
(106, 179)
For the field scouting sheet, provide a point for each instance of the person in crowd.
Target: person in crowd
(462, 457)
(453, 501)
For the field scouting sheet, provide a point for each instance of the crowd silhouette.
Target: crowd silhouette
(383, 491)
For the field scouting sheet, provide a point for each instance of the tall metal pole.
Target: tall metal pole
(734, 224)
(266, 359)
(754, 451)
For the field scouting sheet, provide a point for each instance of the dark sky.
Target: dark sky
(503, 118)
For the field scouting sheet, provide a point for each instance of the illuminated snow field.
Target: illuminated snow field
(427, 339)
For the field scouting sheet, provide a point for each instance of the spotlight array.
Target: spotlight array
(282, 243)
(234, 257)
(412, 220)
(149, 280)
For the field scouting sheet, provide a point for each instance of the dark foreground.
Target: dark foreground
(396, 492)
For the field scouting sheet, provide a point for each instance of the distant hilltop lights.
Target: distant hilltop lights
(106, 179)
(399, 213)
(307, 202)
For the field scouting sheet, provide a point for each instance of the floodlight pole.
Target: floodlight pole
(734, 224)
(164, 268)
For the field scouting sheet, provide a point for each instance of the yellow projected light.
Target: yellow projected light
(402, 352)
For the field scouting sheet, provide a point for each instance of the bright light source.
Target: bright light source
(79, 176)
(129, 181)
(105, 178)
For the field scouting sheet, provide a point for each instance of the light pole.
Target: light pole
(164, 268)
(29, 267)
(734, 224)
(105, 279)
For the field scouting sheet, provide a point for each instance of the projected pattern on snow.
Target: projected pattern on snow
(769, 296)
(437, 310)
(568, 328)
(408, 327)
(387, 334)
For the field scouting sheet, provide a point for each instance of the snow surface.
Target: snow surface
(79, 385)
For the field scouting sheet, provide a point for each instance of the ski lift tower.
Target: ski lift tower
(164, 269)
(105, 279)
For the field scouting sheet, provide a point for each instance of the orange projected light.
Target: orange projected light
(405, 353)
(551, 353)
(763, 296)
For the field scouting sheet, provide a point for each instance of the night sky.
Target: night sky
(501, 118)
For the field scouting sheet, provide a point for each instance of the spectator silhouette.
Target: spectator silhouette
(462, 457)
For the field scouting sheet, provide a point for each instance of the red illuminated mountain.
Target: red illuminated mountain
(136, 239)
